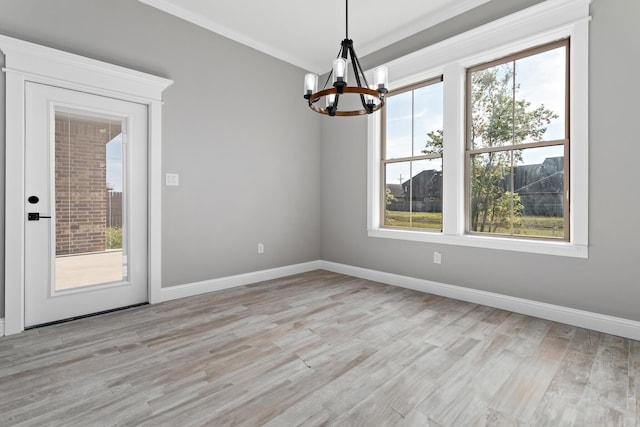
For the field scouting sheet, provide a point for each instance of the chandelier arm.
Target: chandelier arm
(354, 65)
(340, 51)
(328, 78)
(356, 62)
(357, 70)
(366, 106)
(335, 102)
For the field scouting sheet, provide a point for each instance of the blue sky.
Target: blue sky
(114, 163)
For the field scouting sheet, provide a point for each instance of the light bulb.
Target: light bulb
(340, 71)
(381, 78)
(331, 100)
(310, 84)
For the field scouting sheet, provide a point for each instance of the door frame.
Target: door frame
(26, 61)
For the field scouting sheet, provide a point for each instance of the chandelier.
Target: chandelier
(371, 97)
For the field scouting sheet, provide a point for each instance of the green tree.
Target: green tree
(388, 197)
(434, 142)
(497, 120)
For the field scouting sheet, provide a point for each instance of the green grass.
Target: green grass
(114, 238)
(534, 226)
(539, 226)
(426, 220)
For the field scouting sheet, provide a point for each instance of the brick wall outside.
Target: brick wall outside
(80, 182)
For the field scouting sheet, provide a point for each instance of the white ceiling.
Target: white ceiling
(308, 34)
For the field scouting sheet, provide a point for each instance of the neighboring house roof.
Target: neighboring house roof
(396, 190)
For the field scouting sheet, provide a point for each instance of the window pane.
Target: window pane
(397, 190)
(540, 96)
(413, 194)
(398, 142)
(492, 106)
(426, 194)
(519, 101)
(539, 183)
(518, 192)
(490, 203)
(428, 119)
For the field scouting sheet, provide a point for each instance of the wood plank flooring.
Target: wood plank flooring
(318, 349)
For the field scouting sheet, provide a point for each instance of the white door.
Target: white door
(86, 204)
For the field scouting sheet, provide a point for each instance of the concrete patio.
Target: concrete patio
(75, 271)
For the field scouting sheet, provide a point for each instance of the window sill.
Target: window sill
(500, 243)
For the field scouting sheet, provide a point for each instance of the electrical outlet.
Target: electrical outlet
(172, 179)
(437, 258)
(260, 248)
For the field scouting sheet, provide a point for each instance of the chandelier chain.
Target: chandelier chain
(346, 19)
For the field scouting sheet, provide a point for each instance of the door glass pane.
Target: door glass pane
(89, 220)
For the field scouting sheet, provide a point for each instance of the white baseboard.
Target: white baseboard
(1, 327)
(197, 288)
(584, 319)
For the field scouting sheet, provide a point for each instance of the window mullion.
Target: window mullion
(453, 157)
(512, 153)
(413, 151)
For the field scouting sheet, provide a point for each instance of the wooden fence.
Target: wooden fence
(114, 209)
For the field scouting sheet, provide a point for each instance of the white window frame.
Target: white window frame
(540, 24)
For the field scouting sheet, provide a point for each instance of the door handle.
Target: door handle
(35, 216)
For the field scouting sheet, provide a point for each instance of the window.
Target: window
(412, 157)
(512, 167)
(518, 145)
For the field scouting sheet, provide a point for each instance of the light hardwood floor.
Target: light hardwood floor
(318, 349)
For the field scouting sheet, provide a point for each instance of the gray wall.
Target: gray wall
(261, 168)
(235, 128)
(608, 281)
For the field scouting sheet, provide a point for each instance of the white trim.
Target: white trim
(218, 28)
(2, 327)
(197, 288)
(47, 65)
(453, 109)
(420, 23)
(570, 316)
(542, 23)
(14, 211)
(154, 183)
(584, 319)
(483, 43)
(581, 318)
(543, 247)
(30, 62)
